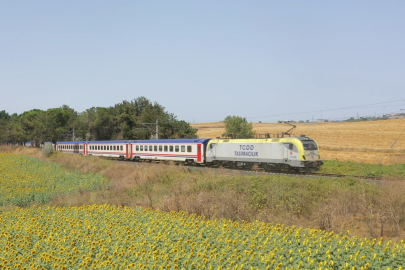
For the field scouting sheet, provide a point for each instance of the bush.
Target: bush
(48, 150)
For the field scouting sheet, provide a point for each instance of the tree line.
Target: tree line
(120, 122)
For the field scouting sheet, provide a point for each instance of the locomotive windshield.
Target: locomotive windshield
(309, 145)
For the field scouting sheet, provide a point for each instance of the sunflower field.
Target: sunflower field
(25, 180)
(115, 237)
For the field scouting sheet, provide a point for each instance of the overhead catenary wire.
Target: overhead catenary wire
(371, 105)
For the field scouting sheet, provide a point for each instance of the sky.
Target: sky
(204, 60)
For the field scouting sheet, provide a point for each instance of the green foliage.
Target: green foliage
(123, 121)
(26, 180)
(48, 150)
(362, 169)
(239, 127)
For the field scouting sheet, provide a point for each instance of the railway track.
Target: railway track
(261, 172)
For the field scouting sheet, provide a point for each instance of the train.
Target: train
(299, 154)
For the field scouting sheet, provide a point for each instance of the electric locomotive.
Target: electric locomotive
(278, 154)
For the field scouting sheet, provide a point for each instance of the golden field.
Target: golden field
(367, 141)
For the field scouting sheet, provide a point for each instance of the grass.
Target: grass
(363, 169)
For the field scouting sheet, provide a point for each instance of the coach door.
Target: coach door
(126, 150)
(199, 154)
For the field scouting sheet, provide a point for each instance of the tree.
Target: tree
(239, 127)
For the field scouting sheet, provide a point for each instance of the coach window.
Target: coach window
(188, 148)
(171, 148)
(291, 146)
(176, 148)
(166, 148)
(150, 148)
(141, 147)
(155, 148)
(137, 148)
(110, 147)
(183, 148)
(121, 147)
(160, 148)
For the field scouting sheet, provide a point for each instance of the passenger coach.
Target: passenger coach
(118, 149)
(180, 150)
(75, 147)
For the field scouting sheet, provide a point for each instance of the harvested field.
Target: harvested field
(368, 141)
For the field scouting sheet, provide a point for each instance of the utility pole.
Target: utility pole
(148, 128)
(73, 134)
(157, 129)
